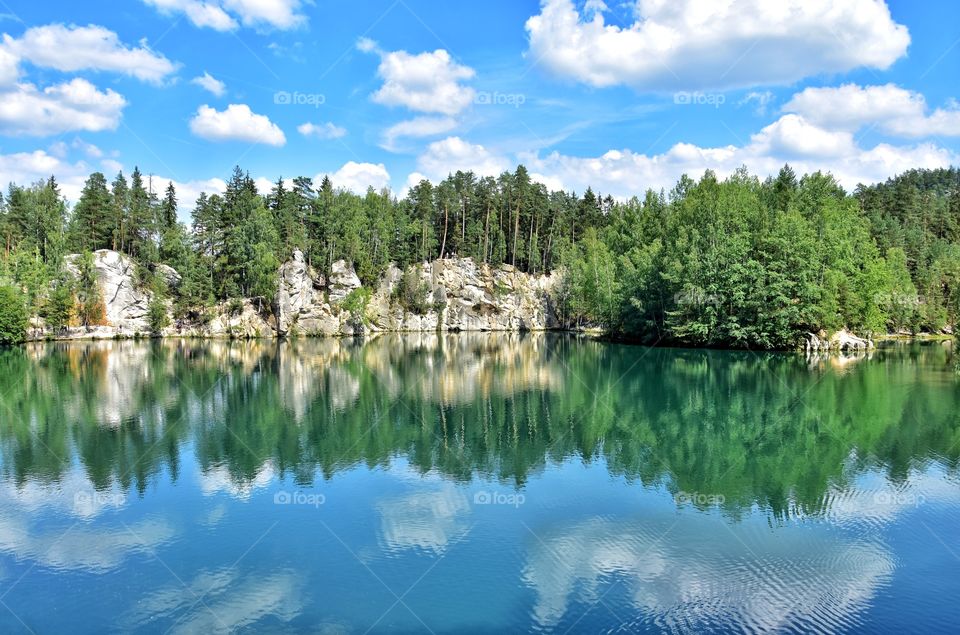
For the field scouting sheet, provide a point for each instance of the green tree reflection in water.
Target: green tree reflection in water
(774, 430)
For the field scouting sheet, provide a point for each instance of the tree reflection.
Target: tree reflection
(759, 429)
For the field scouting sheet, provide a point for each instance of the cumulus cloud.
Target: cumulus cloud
(282, 14)
(453, 153)
(201, 14)
(77, 48)
(357, 177)
(227, 15)
(417, 127)
(624, 173)
(792, 137)
(426, 82)
(236, 123)
(210, 84)
(25, 168)
(893, 109)
(9, 67)
(74, 105)
(695, 45)
(326, 130)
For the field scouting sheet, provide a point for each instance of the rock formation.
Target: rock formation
(842, 341)
(462, 296)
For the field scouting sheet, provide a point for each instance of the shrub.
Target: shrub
(59, 311)
(157, 315)
(356, 302)
(92, 309)
(13, 315)
(412, 293)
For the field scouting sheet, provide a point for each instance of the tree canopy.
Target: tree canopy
(737, 262)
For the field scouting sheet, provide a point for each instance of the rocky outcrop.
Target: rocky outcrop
(842, 341)
(126, 305)
(343, 281)
(460, 296)
(468, 297)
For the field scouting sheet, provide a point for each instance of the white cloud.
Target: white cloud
(366, 45)
(792, 136)
(209, 83)
(417, 127)
(698, 45)
(24, 168)
(74, 105)
(624, 173)
(894, 110)
(427, 82)
(9, 67)
(111, 166)
(223, 15)
(357, 177)
(282, 14)
(326, 130)
(236, 123)
(88, 149)
(201, 14)
(77, 48)
(413, 180)
(762, 99)
(453, 153)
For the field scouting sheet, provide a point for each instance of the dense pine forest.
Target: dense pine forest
(739, 262)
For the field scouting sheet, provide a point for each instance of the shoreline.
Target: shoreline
(106, 334)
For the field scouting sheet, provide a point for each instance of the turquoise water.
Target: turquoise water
(476, 484)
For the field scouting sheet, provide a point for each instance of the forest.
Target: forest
(739, 262)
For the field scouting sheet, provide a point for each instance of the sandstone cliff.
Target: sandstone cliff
(459, 295)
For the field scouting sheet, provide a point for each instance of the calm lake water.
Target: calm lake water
(476, 484)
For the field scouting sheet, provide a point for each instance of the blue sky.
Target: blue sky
(622, 96)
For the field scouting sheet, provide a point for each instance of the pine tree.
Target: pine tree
(91, 226)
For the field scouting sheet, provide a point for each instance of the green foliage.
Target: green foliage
(13, 315)
(734, 262)
(412, 293)
(356, 301)
(59, 310)
(689, 420)
(157, 315)
(91, 309)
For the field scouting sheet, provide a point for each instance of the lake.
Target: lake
(476, 484)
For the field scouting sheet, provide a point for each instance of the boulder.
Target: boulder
(343, 280)
(169, 275)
